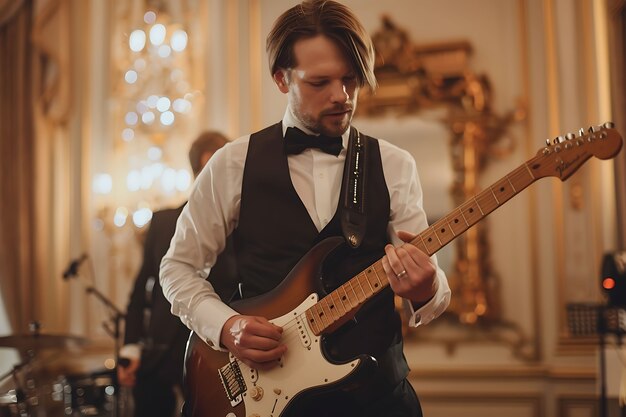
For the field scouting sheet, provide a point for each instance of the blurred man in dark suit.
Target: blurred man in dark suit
(154, 340)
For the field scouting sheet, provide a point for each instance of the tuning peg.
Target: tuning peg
(581, 132)
(591, 129)
(570, 136)
(608, 125)
(548, 143)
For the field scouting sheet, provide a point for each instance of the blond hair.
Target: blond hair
(322, 17)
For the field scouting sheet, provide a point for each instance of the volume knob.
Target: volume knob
(256, 393)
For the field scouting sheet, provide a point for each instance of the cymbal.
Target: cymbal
(39, 341)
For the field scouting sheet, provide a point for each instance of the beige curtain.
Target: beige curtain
(17, 167)
(34, 112)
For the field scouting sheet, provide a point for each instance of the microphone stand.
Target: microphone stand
(602, 330)
(116, 317)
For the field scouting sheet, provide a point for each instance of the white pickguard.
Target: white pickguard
(302, 367)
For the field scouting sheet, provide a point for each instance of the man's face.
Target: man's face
(322, 88)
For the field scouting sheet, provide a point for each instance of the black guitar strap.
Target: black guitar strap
(353, 186)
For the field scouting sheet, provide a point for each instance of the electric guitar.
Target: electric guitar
(219, 385)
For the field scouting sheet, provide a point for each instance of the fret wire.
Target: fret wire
(424, 243)
(312, 321)
(323, 315)
(512, 186)
(327, 316)
(353, 281)
(461, 211)
(529, 171)
(356, 297)
(317, 314)
(333, 306)
(339, 302)
(494, 195)
(489, 204)
(440, 228)
(437, 236)
(520, 175)
(343, 298)
(430, 239)
(373, 268)
(352, 300)
(372, 280)
(362, 290)
(507, 193)
(362, 274)
(472, 212)
(450, 227)
(478, 205)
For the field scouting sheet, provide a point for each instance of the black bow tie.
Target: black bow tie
(297, 141)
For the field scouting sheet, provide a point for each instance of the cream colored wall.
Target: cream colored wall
(545, 251)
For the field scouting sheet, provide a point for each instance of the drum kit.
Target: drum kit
(33, 391)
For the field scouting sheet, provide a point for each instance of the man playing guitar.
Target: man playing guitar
(282, 190)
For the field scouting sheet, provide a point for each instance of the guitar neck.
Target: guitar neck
(560, 158)
(340, 305)
(448, 228)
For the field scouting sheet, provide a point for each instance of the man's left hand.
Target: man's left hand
(410, 271)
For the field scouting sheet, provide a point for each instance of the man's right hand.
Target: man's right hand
(253, 340)
(127, 376)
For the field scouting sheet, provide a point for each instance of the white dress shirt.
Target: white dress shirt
(212, 213)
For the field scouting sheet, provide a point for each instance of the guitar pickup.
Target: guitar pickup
(303, 330)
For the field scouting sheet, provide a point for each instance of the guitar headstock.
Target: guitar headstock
(565, 154)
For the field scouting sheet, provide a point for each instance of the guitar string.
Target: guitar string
(518, 176)
(348, 287)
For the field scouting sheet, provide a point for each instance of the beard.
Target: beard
(331, 122)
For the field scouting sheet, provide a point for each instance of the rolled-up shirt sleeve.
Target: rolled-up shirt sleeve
(201, 231)
(407, 214)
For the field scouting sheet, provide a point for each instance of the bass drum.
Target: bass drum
(64, 396)
(90, 394)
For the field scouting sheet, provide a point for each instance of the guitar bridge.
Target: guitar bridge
(233, 382)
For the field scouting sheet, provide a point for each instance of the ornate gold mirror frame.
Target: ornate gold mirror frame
(413, 78)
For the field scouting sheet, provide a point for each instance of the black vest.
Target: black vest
(275, 231)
